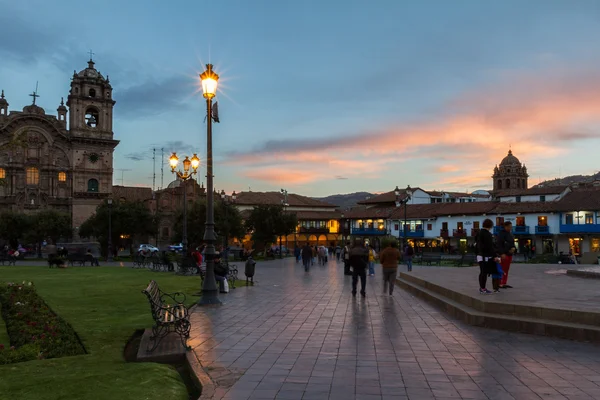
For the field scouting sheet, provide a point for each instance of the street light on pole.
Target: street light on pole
(109, 255)
(400, 201)
(187, 173)
(209, 288)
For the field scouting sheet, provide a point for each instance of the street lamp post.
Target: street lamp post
(399, 201)
(109, 255)
(187, 173)
(209, 289)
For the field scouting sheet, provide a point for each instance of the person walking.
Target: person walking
(389, 258)
(486, 254)
(306, 256)
(505, 243)
(372, 257)
(297, 253)
(346, 258)
(409, 252)
(359, 258)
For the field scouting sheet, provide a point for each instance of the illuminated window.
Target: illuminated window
(62, 176)
(32, 176)
(2, 173)
(92, 185)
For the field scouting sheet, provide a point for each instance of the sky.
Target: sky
(326, 96)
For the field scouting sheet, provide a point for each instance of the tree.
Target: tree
(266, 222)
(13, 226)
(48, 224)
(228, 222)
(129, 218)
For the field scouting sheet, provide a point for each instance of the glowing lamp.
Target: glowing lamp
(186, 164)
(223, 194)
(195, 162)
(173, 160)
(233, 196)
(209, 82)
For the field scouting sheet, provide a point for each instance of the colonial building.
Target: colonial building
(510, 174)
(46, 162)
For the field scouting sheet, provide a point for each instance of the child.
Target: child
(496, 277)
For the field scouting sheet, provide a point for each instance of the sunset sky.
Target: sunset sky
(322, 96)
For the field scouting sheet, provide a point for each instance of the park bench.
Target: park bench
(56, 260)
(81, 259)
(167, 318)
(162, 264)
(187, 266)
(139, 261)
(430, 259)
(466, 260)
(5, 258)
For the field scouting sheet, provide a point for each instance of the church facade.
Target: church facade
(62, 162)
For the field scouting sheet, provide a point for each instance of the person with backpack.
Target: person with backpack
(409, 252)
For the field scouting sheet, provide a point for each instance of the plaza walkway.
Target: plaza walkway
(298, 335)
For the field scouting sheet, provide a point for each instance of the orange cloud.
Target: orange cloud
(540, 115)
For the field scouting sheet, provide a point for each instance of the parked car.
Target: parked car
(178, 248)
(147, 249)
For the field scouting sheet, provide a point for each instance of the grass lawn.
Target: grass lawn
(105, 306)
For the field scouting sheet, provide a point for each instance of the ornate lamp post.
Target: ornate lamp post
(209, 289)
(399, 201)
(109, 255)
(187, 173)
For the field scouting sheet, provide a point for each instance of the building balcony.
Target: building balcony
(521, 230)
(542, 230)
(413, 234)
(580, 228)
(305, 229)
(444, 233)
(365, 231)
(475, 232)
(459, 233)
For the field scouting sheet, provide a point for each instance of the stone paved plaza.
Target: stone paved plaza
(298, 335)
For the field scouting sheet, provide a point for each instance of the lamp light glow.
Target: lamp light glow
(209, 82)
(195, 162)
(186, 164)
(173, 160)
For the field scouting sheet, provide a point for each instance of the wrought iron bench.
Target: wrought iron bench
(467, 260)
(167, 318)
(5, 258)
(162, 264)
(55, 260)
(187, 266)
(232, 276)
(430, 259)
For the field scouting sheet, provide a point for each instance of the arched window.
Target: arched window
(518, 184)
(93, 185)
(499, 183)
(508, 183)
(32, 176)
(523, 185)
(92, 117)
(2, 173)
(62, 176)
(92, 92)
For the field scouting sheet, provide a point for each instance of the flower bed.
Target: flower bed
(35, 331)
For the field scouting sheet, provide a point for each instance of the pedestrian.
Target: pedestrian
(346, 258)
(389, 258)
(314, 254)
(409, 252)
(372, 257)
(306, 256)
(338, 252)
(297, 253)
(505, 243)
(486, 253)
(359, 258)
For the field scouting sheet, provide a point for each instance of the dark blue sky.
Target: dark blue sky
(327, 96)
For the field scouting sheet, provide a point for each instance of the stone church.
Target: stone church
(47, 162)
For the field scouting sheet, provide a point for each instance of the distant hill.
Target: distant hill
(345, 201)
(569, 180)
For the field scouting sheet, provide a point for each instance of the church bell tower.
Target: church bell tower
(90, 104)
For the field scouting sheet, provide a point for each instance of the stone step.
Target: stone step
(513, 323)
(486, 304)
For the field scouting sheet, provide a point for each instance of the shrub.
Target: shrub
(35, 331)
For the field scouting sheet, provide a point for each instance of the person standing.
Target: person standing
(346, 257)
(409, 252)
(389, 257)
(306, 256)
(359, 258)
(486, 253)
(372, 256)
(505, 243)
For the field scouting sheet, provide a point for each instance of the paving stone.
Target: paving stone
(303, 336)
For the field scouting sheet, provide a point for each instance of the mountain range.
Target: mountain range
(345, 201)
(569, 180)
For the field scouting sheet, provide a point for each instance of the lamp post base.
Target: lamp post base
(209, 298)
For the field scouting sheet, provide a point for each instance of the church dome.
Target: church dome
(3, 101)
(33, 109)
(174, 184)
(90, 72)
(510, 160)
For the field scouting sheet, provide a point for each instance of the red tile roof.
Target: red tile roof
(132, 193)
(534, 191)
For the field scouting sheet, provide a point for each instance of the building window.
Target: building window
(32, 176)
(589, 218)
(93, 185)
(62, 176)
(445, 226)
(499, 184)
(569, 219)
(518, 199)
(520, 221)
(2, 173)
(429, 227)
(508, 183)
(396, 227)
(92, 92)
(543, 221)
(499, 221)
(475, 224)
(542, 198)
(91, 117)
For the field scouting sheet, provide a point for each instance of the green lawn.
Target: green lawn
(105, 306)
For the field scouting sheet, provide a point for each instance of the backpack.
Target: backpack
(410, 251)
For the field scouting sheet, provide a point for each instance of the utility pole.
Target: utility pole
(153, 169)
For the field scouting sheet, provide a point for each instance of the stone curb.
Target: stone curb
(202, 378)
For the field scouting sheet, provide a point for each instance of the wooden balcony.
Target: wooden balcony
(459, 233)
(475, 231)
(444, 233)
